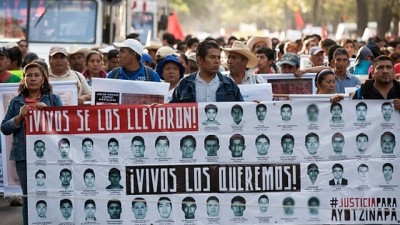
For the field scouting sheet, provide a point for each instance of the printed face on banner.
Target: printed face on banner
(40, 179)
(312, 113)
(237, 114)
(66, 209)
(262, 145)
(189, 208)
(286, 112)
(90, 211)
(114, 178)
(64, 150)
(388, 143)
(237, 147)
(287, 145)
(362, 172)
(288, 206)
(114, 210)
(313, 172)
(361, 112)
(113, 148)
(336, 112)
(87, 148)
(39, 148)
(312, 144)
(139, 209)
(211, 147)
(188, 148)
(212, 208)
(388, 172)
(89, 179)
(211, 115)
(263, 203)
(164, 207)
(387, 110)
(138, 148)
(261, 112)
(313, 206)
(362, 143)
(162, 147)
(338, 143)
(238, 208)
(41, 209)
(65, 178)
(337, 173)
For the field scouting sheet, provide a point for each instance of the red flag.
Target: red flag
(299, 20)
(174, 27)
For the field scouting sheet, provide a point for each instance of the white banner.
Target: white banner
(125, 92)
(256, 92)
(216, 163)
(67, 90)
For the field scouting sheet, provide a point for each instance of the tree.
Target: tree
(362, 16)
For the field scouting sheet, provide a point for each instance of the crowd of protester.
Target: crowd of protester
(197, 71)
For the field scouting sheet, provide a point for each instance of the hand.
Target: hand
(40, 105)
(81, 100)
(336, 98)
(298, 73)
(396, 103)
(23, 111)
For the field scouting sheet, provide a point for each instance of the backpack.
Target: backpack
(149, 73)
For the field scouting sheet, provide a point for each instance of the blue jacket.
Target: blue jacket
(227, 91)
(8, 125)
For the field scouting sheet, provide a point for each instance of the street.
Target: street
(10, 215)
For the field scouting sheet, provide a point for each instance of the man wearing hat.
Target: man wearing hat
(240, 57)
(76, 58)
(5, 75)
(290, 63)
(152, 48)
(257, 42)
(317, 56)
(60, 71)
(130, 53)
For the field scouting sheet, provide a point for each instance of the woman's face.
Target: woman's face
(34, 79)
(171, 73)
(95, 64)
(327, 85)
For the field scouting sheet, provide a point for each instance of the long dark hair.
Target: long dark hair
(46, 86)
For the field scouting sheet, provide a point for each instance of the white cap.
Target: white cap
(133, 44)
(106, 49)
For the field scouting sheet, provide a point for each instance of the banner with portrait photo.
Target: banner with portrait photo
(125, 92)
(68, 93)
(296, 162)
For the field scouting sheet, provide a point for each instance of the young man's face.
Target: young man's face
(114, 178)
(89, 180)
(261, 113)
(238, 208)
(113, 148)
(337, 173)
(40, 179)
(313, 174)
(387, 144)
(114, 210)
(312, 114)
(41, 209)
(362, 171)
(90, 210)
(338, 144)
(39, 149)
(164, 208)
(336, 111)
(237, 147)
(287, 146)
(387, 111)
(211, 147)
(286, 113)
(237, 115)
(64, 150)
(139, 210)
(87, 148)
(211, 114)
(162, 148)
(361, 112)
(65, 178)
(187, 148)
(312, 145)
(189, 209)
(263, 203)
(66, 210)
(387, 172)
(138, 148)
(212, 208)
(262, 146)
(362, 143)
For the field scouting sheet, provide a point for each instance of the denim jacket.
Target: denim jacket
(8, 125)
(227, 91)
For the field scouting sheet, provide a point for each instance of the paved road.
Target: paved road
(10, 215)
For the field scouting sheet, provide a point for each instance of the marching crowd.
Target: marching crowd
(197, 71)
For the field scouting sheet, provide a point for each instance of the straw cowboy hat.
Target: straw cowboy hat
(254, 39)
(240, 48)
(153, 45)
(77, 49)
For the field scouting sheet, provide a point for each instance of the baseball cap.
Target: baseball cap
(315, 50)
(291, 59)
(58, 49)
(133, 44)
(4, 52)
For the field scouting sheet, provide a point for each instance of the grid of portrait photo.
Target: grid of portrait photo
(298, 162)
